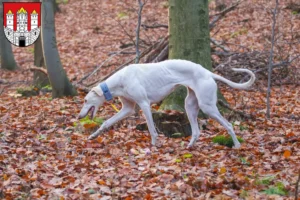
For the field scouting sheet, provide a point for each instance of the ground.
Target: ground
(43, 155)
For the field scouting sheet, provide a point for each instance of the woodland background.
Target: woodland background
(44, 153)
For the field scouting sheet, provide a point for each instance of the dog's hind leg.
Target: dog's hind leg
(214, 113)
(192, 110)
(206, 94)
(127, 109)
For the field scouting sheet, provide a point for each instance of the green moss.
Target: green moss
(225, 140)
(48, 87)
(62, 1)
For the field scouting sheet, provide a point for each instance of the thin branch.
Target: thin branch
(276, 65)
(219, 15)
(223, 64)
(2, 81)
(270, 60)
(40, 69)
(122, 66)
(102, 64)
(222, 103)
(124, 53)
(126, 33)
(145, 26)
(10, 84)
(141, 5)
(215, 42)
(162, 55)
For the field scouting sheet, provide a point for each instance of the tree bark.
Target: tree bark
(60, 83)
(188, 39)
(7, 57)
(40, 79)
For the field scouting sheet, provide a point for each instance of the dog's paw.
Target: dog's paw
(238, 146)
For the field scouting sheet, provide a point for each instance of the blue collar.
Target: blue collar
(106, 91)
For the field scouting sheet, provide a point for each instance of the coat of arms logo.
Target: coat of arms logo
(22, 22)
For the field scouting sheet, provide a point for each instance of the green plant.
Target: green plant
(88, 123)
(244, 161)
(243, 127)
(277, 189)
(244, 194)
(122, 15)
(225, 140)
(265, 181)
(30, 50)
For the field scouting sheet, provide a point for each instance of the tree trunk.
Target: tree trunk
(40, 79)
(60, 83)
(189, 39)
(7, 57)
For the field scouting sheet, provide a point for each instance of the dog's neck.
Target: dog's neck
(113, 84)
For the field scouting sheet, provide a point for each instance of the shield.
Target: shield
(22, 22)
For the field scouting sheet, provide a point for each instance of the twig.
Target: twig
(2, 81)
(145, 26)
(222, 103)
(276, 65)
(215, 42)
(270, 60)
(157, 49)
(99, 66)
(122, 66)
(219, 15)
(141, 5)
(126, 33)
(297, 186)
(223, 64)
(40, 69)
(10, 84)
(162, 55)
(125, 53)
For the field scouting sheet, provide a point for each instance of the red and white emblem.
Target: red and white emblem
(22, 22)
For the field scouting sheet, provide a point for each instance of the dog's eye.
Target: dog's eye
(85, 101)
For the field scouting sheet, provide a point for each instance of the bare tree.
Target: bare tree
(141, 5)
(60, 83)
(7, 57)
(271, 60)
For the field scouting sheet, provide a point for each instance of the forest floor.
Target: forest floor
(43, 155)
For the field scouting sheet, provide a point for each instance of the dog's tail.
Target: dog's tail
(237, 85)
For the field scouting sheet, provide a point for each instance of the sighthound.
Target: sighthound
(144, 84)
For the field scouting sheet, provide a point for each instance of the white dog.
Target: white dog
(144, 84)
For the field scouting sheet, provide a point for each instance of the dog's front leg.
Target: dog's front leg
(127, 109)
(147, 112)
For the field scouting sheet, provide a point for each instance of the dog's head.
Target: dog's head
(92, 101)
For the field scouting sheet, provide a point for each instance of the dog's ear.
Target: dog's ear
(98, 91)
